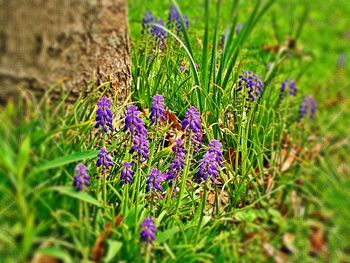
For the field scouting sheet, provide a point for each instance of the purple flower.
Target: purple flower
(223, 38)
(252, 82)
(126, 174)
(148, 231)
(140, 145)
(307, 107)
(182, 68)
(186, 21)
(81, 176)
(290, 86)
(178, 162)
(135, 127)
(157, 109)
(215, 147)
(154, 180)
(341, 61)
(211, 162)
(104, 159)
(239, 28)
(159, 34)
(192, 124)
(133, 122)
(104, 116)
(147, 20)
(174, 20)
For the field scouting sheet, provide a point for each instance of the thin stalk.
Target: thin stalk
(185, 174)
(204, 199)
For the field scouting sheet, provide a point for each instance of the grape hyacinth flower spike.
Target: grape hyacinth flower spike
(154, 180)
(135, 127)
(178, 162)
(148, 230)
(104, 115)
(159, 34)
(81, 177)
(157, 109)
(147, 20)
(104, 160)
(192, 124)
(174, 20)
(308, 106)
(126, 173)
(252, 83)
(289, 86)
(211, 162)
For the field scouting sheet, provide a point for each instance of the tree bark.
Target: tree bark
(68, 42)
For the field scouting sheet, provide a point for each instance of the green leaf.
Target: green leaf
(56, 253)
(245, 216)
(23, 157)
(61, 161)
(83, 196)
(113, 249)
(167, 234)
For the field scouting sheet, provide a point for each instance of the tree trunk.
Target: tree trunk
(68, 42)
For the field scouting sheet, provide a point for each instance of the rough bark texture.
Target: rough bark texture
(63, 41)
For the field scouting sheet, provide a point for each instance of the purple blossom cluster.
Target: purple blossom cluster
(154, 180)
(307, 107)
(252, 83)
(239, 28)
(148, 230)
(178, 162)
(182, 68)
(157, 109)
(149, 27)
(174, 20)
(126, 174)
(104, 160)
(288, 86)
(81, 177)
(147, 21)
(135, 127)
(211, 162)
(192, 125)
(159, 34)
(104, 115)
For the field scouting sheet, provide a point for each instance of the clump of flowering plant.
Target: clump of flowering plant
(104, 160)
(252, 83)
(148, 230)
(211, 162)
(157, 109)
(307, 107)
(126, 174)
(104, 115)
(135, 127)
(288, 86)
(81, 177)
(192, 126)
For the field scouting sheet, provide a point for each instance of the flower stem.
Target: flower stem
(204, 200)
(185, 174)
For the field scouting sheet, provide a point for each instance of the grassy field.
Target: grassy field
(280, 182)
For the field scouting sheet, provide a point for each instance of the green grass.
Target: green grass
(282, 179)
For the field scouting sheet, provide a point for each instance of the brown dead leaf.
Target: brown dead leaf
(40, 258)
(271, 251)
(231, 156)
(289, 45)
(317, 239)
(98, 248)
(173, 120)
